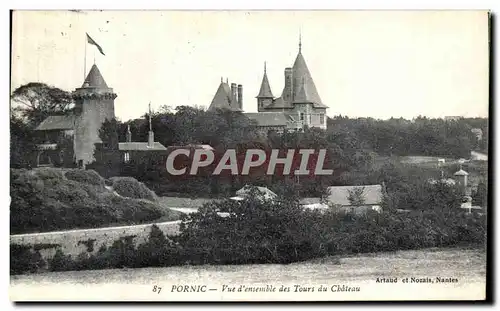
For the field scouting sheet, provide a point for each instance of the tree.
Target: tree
(36, 101)
(356, 196)
(480, 196)
(21, 143)
(108, 133)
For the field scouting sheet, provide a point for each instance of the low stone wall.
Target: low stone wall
(68, 241)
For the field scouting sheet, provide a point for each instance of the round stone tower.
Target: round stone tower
(94, 103)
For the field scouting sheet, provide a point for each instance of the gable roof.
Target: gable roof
(57, 123)
(140, 146)
(340, 195)
(94, 79)
(223, 99)
(268, 118)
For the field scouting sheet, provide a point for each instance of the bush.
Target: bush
(46, 173)
(60, 262)
(39, 205)
(23, 260)
(131, 188)
(86, 176)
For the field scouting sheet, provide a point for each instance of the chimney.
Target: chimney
(240, 96)
(129, 134)
(234, 94)
(151, 136)
(151, 139)
(288, 91)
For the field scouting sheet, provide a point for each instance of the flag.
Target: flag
(91, 41)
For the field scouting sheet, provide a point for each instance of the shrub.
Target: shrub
(86, 176)
(39, 205)
(23, 259)
(49, 173)
(60, 262)
(131, 188)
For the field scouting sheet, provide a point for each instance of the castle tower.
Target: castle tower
(265, 96)
(94, 103)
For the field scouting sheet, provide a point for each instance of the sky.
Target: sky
(378, 64)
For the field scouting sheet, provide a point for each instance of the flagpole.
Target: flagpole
(85, 60)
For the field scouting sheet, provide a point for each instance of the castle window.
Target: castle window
(126, 157)
(321, 118)
(301, 116)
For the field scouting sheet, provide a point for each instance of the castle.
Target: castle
(94, 104)
(298, 106)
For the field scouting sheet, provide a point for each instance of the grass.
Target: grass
(176, 202)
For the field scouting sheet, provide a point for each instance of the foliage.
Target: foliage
(131, 188)
(36, 101)
(85, 176)
(480, 196)
(22, 145)
(108, 133)
(23, 259)
(356, 196)
(48, 201)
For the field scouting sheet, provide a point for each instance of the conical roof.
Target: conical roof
(265, 88)
(302, 80)
(222, 99)
(94, 79)
(302, 95)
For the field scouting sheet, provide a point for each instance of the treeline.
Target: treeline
(420, 136)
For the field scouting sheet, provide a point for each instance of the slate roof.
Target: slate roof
(268, 118)
(279, 103)
(223, 99)
(95, 79)
(57, 123)
(140, 146)
(265, 88)
(302, 79)
(339, 195)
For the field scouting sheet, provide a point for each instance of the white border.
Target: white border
(493, 5)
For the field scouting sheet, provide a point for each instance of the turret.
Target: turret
(94, 103)
(265, 96)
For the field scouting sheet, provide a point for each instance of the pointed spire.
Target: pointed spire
(227, 80)
(94, 79)
(265, 88)
(221, 80)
